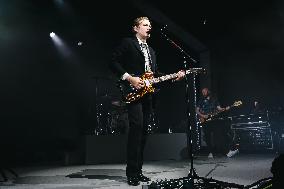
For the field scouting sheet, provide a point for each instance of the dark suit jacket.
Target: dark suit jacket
(128, 57)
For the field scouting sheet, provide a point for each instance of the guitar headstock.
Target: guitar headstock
(237, 103)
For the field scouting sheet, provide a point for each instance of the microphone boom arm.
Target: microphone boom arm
(176, 45)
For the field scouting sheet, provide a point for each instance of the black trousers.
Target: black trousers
(209, 130)
(218, 137)
(138, 115)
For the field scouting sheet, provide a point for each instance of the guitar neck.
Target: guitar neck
(175, 75)
(163, 78)
(213, 114)
(216, 113)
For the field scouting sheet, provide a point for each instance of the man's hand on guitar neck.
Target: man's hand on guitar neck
(180, 75)
(136, 82)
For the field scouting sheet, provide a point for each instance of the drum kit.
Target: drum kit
(108, 111)
(112, 117)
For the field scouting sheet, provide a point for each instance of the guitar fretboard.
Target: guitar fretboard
(163, 78)
(174, 75)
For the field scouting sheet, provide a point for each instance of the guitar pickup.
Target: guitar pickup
(147, 82)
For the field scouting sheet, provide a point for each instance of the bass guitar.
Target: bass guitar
(130, 94)
(213, 115)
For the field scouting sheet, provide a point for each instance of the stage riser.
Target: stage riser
(112, 148)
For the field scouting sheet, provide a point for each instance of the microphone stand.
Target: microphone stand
(188, 182)
(192, 172)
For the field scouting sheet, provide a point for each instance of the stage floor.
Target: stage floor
(243, 169)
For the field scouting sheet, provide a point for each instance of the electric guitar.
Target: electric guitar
(131, 94)
(213, 115)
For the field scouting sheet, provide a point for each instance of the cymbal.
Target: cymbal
(118, 103)
(107, 96)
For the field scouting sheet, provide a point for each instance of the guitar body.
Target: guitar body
(210, 117)
(201, 120)
(131, 94)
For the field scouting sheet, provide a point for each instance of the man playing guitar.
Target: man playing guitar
(132, 58)
(207, 107)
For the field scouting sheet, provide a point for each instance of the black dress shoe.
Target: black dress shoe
(143, 178)
(133, 181)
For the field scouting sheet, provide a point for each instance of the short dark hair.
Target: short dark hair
(138, 20)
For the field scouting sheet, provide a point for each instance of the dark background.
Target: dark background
(48, 99)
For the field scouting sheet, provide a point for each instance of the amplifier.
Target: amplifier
(250, 121)
(250, 125)
(257, 138)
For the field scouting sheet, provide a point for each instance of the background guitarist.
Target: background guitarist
(130, 59)
(208, 105)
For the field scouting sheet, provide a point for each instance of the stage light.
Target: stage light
(62, 47)
(80, 43)
(52, 34)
